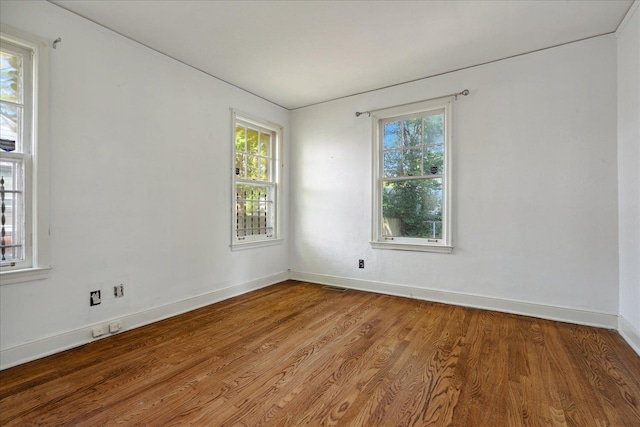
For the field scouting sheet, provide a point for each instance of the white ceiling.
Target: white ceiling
(298, 53)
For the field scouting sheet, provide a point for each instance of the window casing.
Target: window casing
(256, 148)
(24, 248)
(412, 177)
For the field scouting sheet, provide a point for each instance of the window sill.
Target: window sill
(412, 247)
(26, 275)
(255, 244)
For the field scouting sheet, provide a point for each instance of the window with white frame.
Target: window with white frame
(255, 181)
(412, 177)
(23, 158)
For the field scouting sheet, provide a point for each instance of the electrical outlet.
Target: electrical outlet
(98, 331)
(94, 298)
(115, 326)
(118, 290)
(360, 263)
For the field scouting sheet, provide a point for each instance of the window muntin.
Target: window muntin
(412, 177)
(16, 149)
(255, 182)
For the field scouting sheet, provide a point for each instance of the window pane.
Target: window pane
(10, 77)
(433, 129)
(253, 210)
(392, 135)
(241, 137)
(252, 168)
(412, 208)
(241, 171)
(412, 130)
(11, 170)
(433, 159)
(265, 144)
(264, 169)
(252, 141)
(257, 168)
(10, 125)
(12, 173)
(411, 162)
(393, 163)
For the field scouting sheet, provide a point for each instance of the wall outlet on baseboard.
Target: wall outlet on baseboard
(105, 329)
(115, 326)
(360, 263)
(97, 331)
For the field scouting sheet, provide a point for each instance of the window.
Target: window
(23, 166)
(412, 177)
(255, 182)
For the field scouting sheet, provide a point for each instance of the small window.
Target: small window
(16, 113)
(412, 177)
(23, 157)
(255, 181)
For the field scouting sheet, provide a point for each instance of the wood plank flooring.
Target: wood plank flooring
(300, 354)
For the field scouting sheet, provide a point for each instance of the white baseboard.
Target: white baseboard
(36, 349)
(630, 334)
(570, 315)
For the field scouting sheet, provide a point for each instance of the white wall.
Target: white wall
(535, 193)
(140, 188)
(629, 175)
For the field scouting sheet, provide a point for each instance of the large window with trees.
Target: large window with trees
(255, 183)
(412, 177)
(24, 230)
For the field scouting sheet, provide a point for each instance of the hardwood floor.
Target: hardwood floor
(300, 354)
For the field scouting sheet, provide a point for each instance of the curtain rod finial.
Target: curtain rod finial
(463, 93)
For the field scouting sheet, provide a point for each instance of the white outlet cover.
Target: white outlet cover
(115, 326)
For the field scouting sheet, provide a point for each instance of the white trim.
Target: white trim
(26, 275)
(630, 334)
(627, 17)
(562, 314)
(255, 244)
(44, 347)
(442, 249)
(250, 118)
